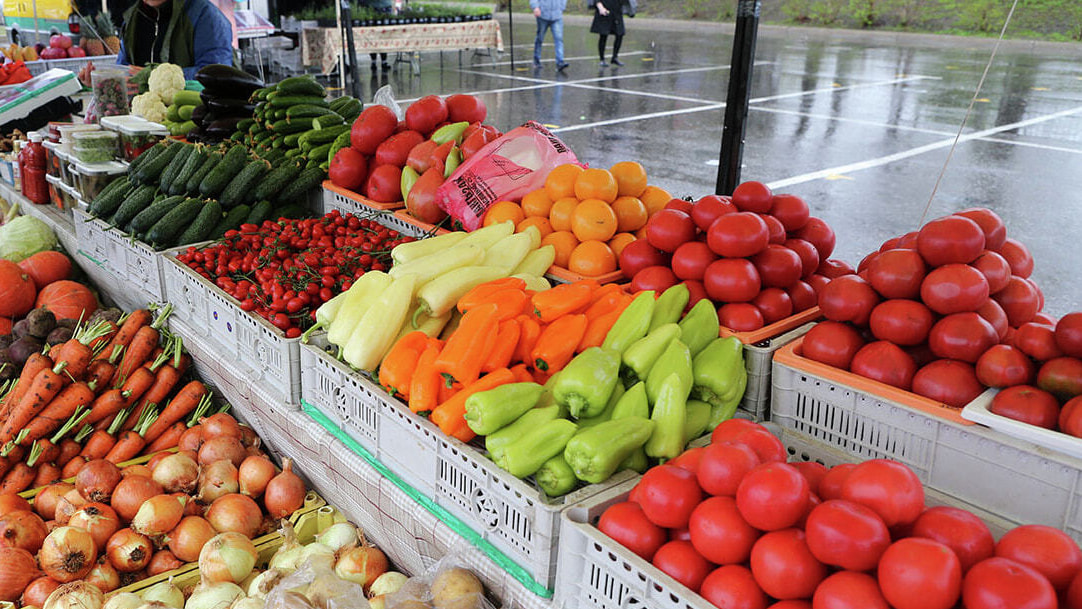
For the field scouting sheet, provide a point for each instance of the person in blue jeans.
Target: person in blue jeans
(550, 14)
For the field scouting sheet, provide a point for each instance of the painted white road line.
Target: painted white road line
(681, 98)
(528, 59)
(878, 83)
(857, 121)
(999, 140)
(905, 154)
(637, 117)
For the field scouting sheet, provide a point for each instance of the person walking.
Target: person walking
(609, 20)
(550, 15)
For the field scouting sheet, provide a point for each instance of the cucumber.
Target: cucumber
(152, 169)
(349, 109)
(147, 155)
(319, 153)
(286, 125)
(135, 203)
(293, 152)
(186, 98)
(340, 142)
(245, 124)
(232, 220)
(274, 155)
(327, 120)
(316, 137)
(165, 231)
(276, 181)
(285, 101)
(240, 188)
(297, 190)
(218, 178)
(145, 219)
(195, 160)
(170, 173)
(209, 217)
(172, 113)
(307, 110)
(301, 85)
(192, 186)
(185, 112)
(290, 211)
(110, 197)
(255, 128)
(260, 211)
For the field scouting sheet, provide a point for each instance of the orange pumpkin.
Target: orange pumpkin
(16, 290)
(47, 267)
(68, 300)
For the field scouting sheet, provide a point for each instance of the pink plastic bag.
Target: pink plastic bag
(506, 169)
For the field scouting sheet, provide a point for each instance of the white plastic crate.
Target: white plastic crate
(332, 388)
(757, 361)
(976, 467)
(184, 291)
(273, 359)
(91, 237)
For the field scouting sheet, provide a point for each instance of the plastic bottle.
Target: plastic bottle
(32, 159)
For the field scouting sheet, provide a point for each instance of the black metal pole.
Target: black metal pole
(736, 104)
(511, 33)
(347, 22)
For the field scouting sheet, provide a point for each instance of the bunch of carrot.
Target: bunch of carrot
(103, 394)
(506, 334)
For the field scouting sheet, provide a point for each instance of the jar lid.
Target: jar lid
(54, 146)
(36, 137)
(106, 168)
(66, 131)
(146, 128)
(91, 138)
(115, 123)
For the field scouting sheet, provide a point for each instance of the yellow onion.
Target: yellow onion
(166, 593)
(176, 473)
(339, 536)
(159, 515)
(261, 585)
(218, 595)
(123, 600)
(76, 595)
(361, 565)
(228, 557)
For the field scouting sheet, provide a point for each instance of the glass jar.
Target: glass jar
(95, 146)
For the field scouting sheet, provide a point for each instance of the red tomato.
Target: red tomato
(889, 488)
(847, 535)
(918, 573)
(830, 487)
(813, 472)
(1070, 418)
(765, 444)
(476, 141)
(949, 381)
(668, 495)
(1020, 301)
(774, 229)
(679, 205)
(774, 304)
(962, 336)
(791, 210)
(993, 314)
(638, 255)
(902, 322)
(384, 184)
(950, 240)
(817, 283)
(897, 273)
(680, 561)
(802, 295)
(848, 298)
(995, 233)
(1037, 341)
(710, 208)
(791, 604)
(720, 533)
(738, 235)
(1017, 255)
(689, 459)
(849, 590)
(657, 278)
(668, 229)
(809, 257)
(818, 233)
(865, 262)
(1062, 377)
(1044, 318)
(731, 279)
(1069, 334)
(741, 317)
(395, 150)
(772, 496)
(466, 108)
(954, 288)
(833, 269)
(420, 158)
(907, 241)
(959, 530)
(349, 169)
(1004, 366)
(697, 292)
(1074, 593)
(723, 465)
(627, 524)
(1027, 404)
(1047, 549)
(680, 535)
(425, 114)
(690, 260)
(753, 196)
(733, 587)
(833, 343)
(1000, 583)
(784, 566)
(884, 362)
(995, 269)
(778, 266)
(373, 125)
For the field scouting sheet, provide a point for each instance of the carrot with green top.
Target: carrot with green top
(507, 336)
(98, 443)
(129, 325)
(100, 372)
(557, 343)
(131, 442)
(48, 473)
(400, 364)
(11, 453)
(183, 403)
(42, 390)
(107, 405)
(34, 364)
(53, 449)
(70, 399)
(562, 300)
(76, 352)
(467, 349)
(169, 438)
(141, 347)
(451, 415)
(166, 378)
(18, 479)
(481, 294)
(425, 384)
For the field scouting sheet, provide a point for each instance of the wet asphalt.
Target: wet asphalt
(857, 123)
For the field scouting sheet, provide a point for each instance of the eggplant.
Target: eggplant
(22, 349)
(198, 114)
(224, 106)
(223, 127)
(227, 79)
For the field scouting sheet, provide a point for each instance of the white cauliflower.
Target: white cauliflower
(165, 80)
(149, 105)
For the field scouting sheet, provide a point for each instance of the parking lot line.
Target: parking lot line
(856, 121)
(637, 117)
(877, 83)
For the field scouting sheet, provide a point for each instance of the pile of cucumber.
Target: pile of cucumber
(178, 193)
(293, 120)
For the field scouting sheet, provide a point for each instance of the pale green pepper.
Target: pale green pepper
(717, 371)
(527, 454)
(556, 477)
(586, 382)
(699, 326)
(670, 418)
(669, 306)
(632, 324)
(698, 418)
(533, 419)
(489, 411)
(606, 415)
(676, 359)
(595, 453)
(641, 355)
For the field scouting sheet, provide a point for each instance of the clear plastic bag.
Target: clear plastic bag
(447, 584)
(385, 97)
(314, 587)
(506, 169)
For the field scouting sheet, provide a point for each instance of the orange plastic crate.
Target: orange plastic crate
(361, 199)
(406, 217)
(775, 329)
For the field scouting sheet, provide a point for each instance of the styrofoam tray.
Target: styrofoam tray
(980, 411)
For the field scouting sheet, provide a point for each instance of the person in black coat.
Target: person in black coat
(609, 19)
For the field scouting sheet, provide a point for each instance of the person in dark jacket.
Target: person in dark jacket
(188, 33)
(609, 20)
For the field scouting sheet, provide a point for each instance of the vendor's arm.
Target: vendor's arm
(213, 38)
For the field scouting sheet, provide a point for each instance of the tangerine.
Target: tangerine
(596, 184)
(502, 211)
(560, 214)
(654, 199)
(593, 219)
(631, 214)
(560, 182)
(630, 178)
(542, 225)
(592, 259)
(619, 241)
(537, 203)
(564, 242)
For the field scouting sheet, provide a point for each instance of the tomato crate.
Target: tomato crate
(759, 348)
(339, 392)
(347, 201)
(596, 572)
(969, 463)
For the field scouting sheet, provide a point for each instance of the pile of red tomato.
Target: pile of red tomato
(761, 257)
(737, 524)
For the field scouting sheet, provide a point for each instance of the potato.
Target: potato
(457, 588)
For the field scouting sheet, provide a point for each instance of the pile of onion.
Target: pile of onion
(176, 473)
(67, 554)
(189, 537)
(235, 513)
(228, 557)
(17, 570)
(22, 529)
(285, 492)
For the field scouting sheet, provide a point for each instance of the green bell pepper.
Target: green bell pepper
(586, 382)
(670, 418)
(641, 355)
(716, 371)
(699, 326)
(556, 477)
(596, 453)
(698, 418)
(606, 414)
(675, 359)
(527, 454)
(489, 411)
(669, 306)
(637, 462)
(725, 410)
(534, 418)
(633, 403)
(632, 324)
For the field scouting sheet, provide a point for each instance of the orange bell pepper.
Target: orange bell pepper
(561, 300)
(481, 293)
(451, 415)
(522, 373)
(425, 385)
(468, 348)
(506, 341)
(529, 331)
(397, 368)
(605, 300)
(598, 327)
(557, 343)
